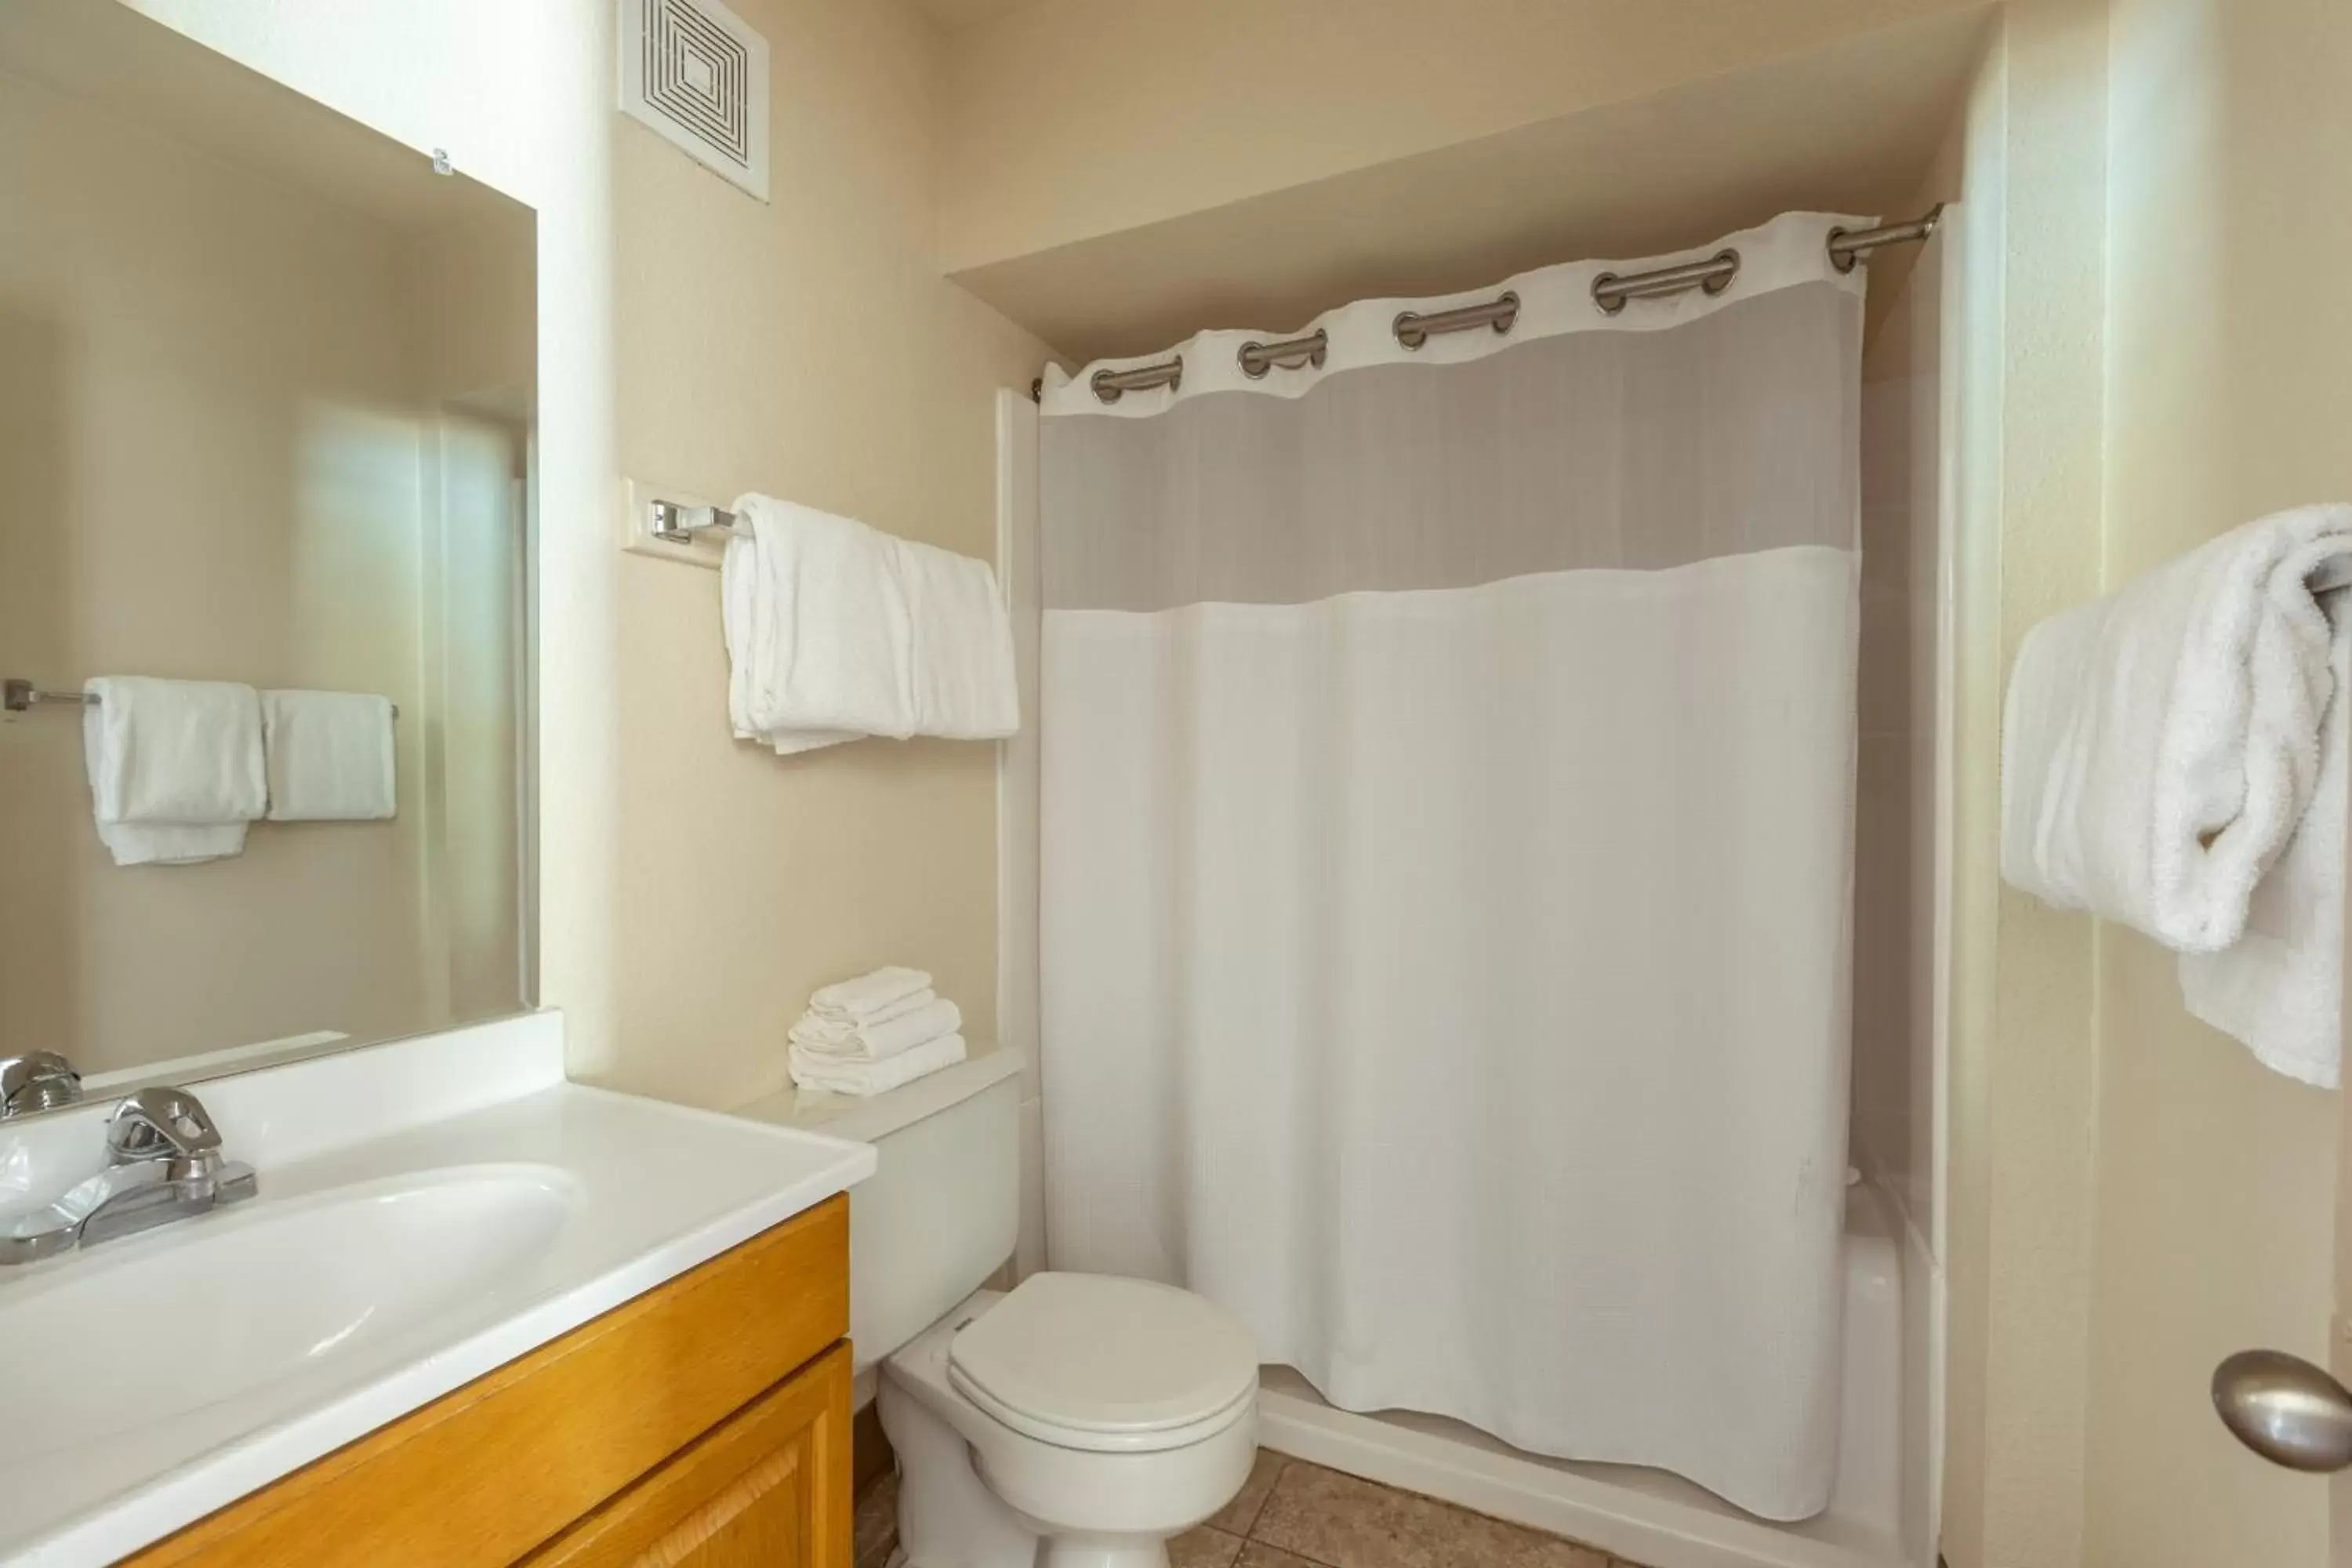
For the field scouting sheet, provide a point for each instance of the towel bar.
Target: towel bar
(19, 696)
(678, 523)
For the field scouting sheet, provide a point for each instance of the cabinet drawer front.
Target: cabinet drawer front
(488, 1472)
(768, 1488)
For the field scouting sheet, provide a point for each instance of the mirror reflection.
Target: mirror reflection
(266, 401)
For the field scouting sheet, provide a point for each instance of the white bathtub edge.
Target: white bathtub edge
(1648, 1527)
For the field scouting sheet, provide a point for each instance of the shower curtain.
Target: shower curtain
(1447, 771)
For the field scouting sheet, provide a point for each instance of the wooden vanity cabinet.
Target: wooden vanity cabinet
(703, 1425)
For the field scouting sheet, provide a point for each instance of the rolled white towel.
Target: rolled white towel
(2280, 987)
(877, 1041)
(2161, 743)
(871, 998)
(864, 1078)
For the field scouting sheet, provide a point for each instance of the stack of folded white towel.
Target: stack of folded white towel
(836, 631)
(2173, 758)
(874, 1033)
(178, 768)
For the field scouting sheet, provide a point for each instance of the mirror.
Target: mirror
(266, 415)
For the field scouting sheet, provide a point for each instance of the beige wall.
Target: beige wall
(1073, 117)
(2228, 398)
(691, 892)
(1845, 127)
(2154, 357)
(211, 441)
(2030, 251)
(808, 347)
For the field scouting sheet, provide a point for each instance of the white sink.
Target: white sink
(158, 1332)
(426, 1212)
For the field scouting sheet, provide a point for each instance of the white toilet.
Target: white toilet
(1079, 1421)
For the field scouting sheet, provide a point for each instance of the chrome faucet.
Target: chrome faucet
(37, 1080)
(163, 1164)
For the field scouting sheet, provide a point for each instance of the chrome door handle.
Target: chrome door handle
(2285, 1409)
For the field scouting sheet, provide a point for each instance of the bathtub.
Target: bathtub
(1650, 1516)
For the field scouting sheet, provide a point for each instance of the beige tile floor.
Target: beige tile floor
(1291, 1514)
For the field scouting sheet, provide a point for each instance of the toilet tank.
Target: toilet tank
(942, 1210)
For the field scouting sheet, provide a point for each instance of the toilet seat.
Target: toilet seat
(1107, 1366)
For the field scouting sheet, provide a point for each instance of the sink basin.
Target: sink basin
(183, 1319)
(428, 1211)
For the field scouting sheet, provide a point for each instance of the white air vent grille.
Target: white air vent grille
(697, 74)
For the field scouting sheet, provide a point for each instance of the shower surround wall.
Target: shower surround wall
(1901, 828)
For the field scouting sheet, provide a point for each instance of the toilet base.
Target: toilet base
(947, 1516)
(973, 1494)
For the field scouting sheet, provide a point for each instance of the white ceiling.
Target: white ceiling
(955, 15)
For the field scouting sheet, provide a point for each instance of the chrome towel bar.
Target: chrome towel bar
(678, 523)
(19, 696)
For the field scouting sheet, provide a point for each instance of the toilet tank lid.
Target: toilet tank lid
(1090, 1353)
(875, 1117)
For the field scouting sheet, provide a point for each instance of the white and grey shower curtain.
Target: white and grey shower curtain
(1448, 775)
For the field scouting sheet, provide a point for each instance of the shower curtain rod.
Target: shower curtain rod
(1611, 292)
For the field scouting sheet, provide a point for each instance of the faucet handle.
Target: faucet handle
(159, 1123)
(37, 1080)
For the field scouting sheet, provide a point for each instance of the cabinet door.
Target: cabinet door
(767, 1488)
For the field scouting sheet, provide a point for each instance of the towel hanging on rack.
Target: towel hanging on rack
(836, 630)
(2164, 745)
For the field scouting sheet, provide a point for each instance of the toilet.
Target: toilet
(1078, 1420)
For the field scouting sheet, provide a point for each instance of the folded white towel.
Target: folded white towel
(818, 637)
(964, 686)
(331, 754)
(878, 1040)
(176, 767)
(865, 1078)
(2280, 987)
(819, 1028)
(2161, 744)
(867, 998)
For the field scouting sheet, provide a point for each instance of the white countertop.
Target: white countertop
(501, 1206)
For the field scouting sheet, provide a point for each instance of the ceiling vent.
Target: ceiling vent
(697, 75)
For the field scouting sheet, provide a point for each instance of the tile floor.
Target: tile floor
(1292, 1514)
(874, 1531)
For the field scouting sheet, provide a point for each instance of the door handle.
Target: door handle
(2285, 1409)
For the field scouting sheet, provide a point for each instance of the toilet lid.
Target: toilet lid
(1088, 1361)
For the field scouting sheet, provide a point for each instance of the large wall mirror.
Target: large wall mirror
(266, 415)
